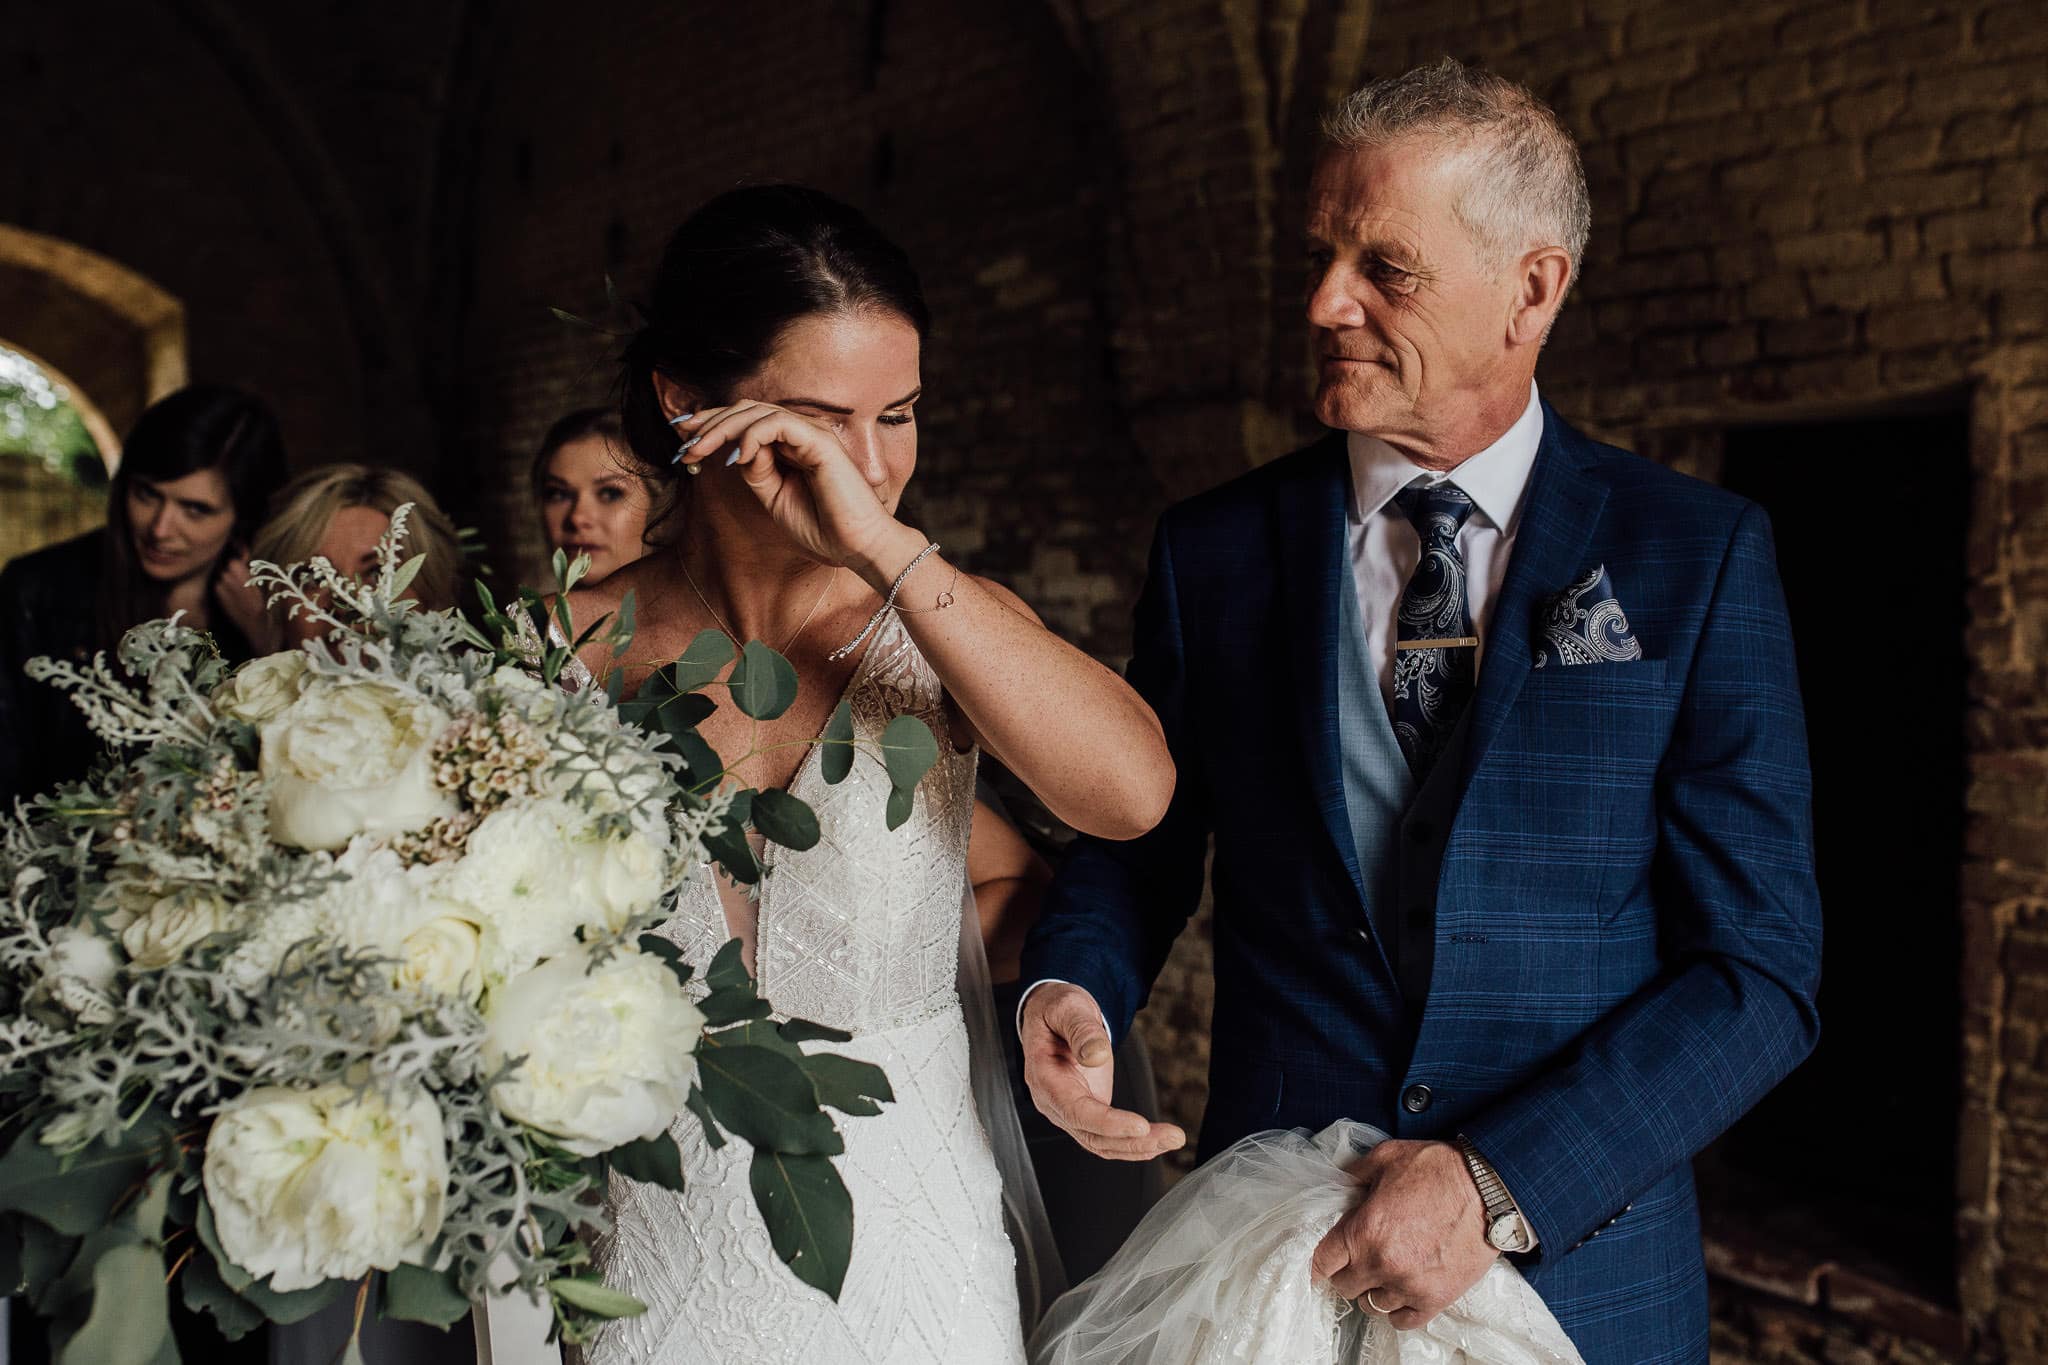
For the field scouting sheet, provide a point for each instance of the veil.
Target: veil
(1218, 1274)
(1040, 1276)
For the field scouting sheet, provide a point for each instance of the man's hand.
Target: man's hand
(1067, 1064)
(1418, 1238)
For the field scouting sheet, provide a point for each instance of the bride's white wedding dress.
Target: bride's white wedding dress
(861, 932)
(1218, 1274)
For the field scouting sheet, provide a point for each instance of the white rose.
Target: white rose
(352, 758)
(79, 973)
(163, 933)
(609, 1051)
(325, 1184)
(444, 956)
(262, 688)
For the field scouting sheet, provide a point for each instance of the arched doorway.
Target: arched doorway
(89, 344)
(56, 451)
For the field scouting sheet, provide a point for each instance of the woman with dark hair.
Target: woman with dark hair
(196, 473)
(594, 497)
(780, 351)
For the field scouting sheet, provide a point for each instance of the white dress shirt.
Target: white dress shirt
(1385, 546)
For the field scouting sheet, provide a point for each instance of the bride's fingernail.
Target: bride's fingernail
(684, 449)
(678, 421)
(733, 458)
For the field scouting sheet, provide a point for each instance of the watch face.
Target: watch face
(1508, 1233)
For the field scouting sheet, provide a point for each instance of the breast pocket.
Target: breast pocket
(1574, 769)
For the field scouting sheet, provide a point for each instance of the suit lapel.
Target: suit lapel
(1560, 512)
(1310, 529)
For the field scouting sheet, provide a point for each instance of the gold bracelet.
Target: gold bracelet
(945, 599)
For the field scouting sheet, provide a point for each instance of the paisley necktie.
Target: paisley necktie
(1436, 648)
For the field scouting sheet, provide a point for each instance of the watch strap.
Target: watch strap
(1493, 1192)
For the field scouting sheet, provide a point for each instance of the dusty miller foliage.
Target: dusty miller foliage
(183, 807)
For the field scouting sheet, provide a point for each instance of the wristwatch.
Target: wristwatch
(1506, 1228)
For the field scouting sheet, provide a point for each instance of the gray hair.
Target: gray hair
(1527, 186)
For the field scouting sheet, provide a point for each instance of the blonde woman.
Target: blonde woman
(340, 512)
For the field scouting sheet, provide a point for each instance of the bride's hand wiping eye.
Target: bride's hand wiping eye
(801, 472)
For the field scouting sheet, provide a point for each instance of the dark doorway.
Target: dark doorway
(1853, 1159)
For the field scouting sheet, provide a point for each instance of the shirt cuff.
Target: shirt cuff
(1025, 998)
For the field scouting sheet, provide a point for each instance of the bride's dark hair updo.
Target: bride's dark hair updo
(733, 278)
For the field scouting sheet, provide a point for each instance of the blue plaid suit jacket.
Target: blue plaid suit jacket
(1627, 926)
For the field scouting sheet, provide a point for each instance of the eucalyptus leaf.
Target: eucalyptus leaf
(733, 1005)
(898, 808)
(417, 1294)
(11, 1229)
(625, 623)
(763, 683)
(908, 750)
(728, 966)
(701, 663)
(728, 846)
(204, 1291)
(592, 1296)
(74, 1196)
(44, 1254)
(836, 761)
(614, 685)
(654, 1161)
(714, 1136)
(130, 1317)
(804, 1031)
(296, 1305)
(766, 1098)
(809, 1216)
(785, 819)
(670, 953)
(701, 764)
(852, 1087)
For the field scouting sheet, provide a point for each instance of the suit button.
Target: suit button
(1364, 936)
(1416, 1098)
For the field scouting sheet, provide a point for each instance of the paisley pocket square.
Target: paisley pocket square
(1584, 624)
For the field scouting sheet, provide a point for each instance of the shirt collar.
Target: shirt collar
(1494, 479)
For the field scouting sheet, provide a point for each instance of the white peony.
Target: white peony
(165, 931)
(535, 872)
(351, 758)
(328, 1183)
(609, 1051)
(381, 906)
(78, 975)
(262, 688)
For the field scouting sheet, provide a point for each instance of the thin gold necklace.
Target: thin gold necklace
(734, 635)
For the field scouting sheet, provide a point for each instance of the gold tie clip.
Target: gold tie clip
(1461, 642)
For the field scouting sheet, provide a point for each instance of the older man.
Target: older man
(1497, 734)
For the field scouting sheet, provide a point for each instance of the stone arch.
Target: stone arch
(116, 336)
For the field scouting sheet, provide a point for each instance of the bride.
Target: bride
(780, 350)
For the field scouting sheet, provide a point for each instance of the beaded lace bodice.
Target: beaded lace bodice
(862, 932)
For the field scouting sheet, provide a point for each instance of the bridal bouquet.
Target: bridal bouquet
(339, 971)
